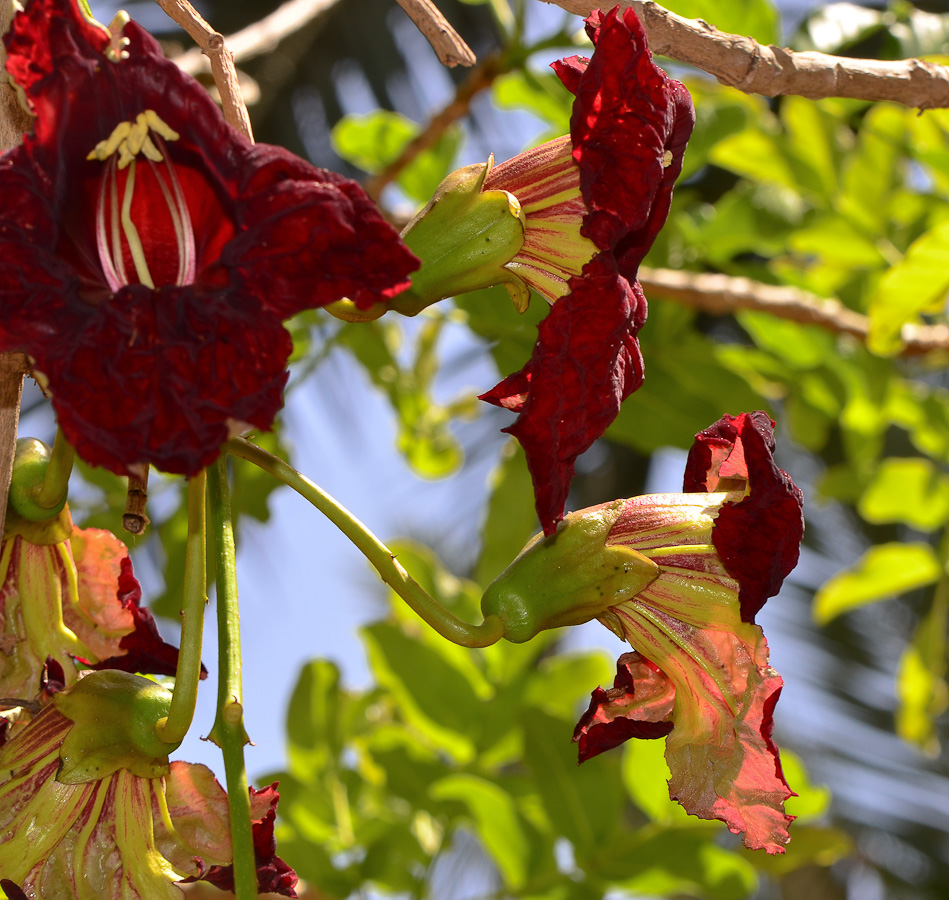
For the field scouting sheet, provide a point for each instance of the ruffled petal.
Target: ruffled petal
(585, 363)
(639, 705)
(693, 647)
(630, 126)
(758, 537)
(197, 805)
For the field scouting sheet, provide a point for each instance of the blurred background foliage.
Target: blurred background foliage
(453, 776)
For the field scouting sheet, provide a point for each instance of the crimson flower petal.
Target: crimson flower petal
(629, 128)
(639, 705)
(158, 331)
(759, 537)
(273, 874)
(585, 363)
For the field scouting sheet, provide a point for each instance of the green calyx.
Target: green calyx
(30, 465)
(116, 716)
(567, 578)
(464, 237)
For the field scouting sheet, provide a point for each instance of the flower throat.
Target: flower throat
(160, 205)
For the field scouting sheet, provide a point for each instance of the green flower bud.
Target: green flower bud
(29, 470)
(567, 578)
(115, 716)
(464, 237)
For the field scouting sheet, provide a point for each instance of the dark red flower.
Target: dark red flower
(149, 253)
(700, 673)
(593, 206)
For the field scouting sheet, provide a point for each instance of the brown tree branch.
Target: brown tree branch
(263, 36)
(722, 295)
(478, 79)
(743, 63)
(445, 41)
(222, 63)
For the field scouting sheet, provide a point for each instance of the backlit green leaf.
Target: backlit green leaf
(496, 819)
(884, 571)
(912, 491)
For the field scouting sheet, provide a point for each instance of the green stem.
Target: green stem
(228, 729)
(384, 561)
(56, 481)
(173, 729)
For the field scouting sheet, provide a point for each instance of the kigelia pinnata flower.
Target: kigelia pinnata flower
(91, 808)
(571, 219)
(69, 595)
(681, 577)
(149, 253)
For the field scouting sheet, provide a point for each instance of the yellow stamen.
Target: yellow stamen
(131, 232)
(131, 138)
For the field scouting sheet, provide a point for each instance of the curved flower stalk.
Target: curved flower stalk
(149, 253)
(69, 595)
(681, 577)
(119, 822)
(571, 219)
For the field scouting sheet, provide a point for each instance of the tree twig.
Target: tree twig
(222, 63)
(478, 79)
(743, 63)
(722, 295)
(134, 519)
(263, 36)
(445, 41)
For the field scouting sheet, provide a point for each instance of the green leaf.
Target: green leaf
(434, 696)
(424, 433)
(884, 571)
(912, 491)
(496, 820)
(677, 859)
(374, 140)
(540, 93)
(812, 801)
(511, 520)
(873, 169)
(921, 680)
(916, 285)
(562, 683)
(757, 155)
(646, 777)
(314, 741)
(371, 141)
(810, 845)
(754, 18)
(583, 803)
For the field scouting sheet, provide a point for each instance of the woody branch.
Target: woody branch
(743, 63)
(722, 295)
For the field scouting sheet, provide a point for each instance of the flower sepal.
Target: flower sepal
(115, 717)
(464, 236)
(30, 464)
(567, 578)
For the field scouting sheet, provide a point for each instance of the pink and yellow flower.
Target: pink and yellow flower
(73, 600)
(681, 577)
(123, 824)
